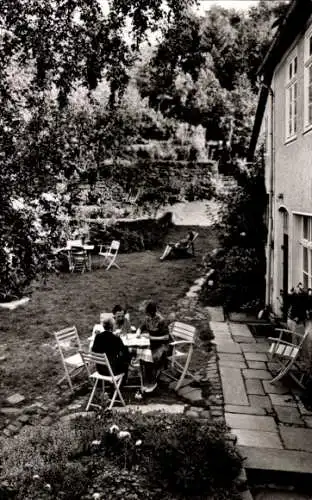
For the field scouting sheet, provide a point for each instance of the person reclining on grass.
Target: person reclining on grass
(180, 245)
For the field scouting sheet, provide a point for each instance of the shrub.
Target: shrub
(240, 264)
(162, 457)
(134, 236)
(159, 447)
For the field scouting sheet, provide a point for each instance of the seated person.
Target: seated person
(157, 328)
(117, 353)
(121, 319)
(180, 245)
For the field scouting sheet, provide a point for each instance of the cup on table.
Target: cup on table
(133, 329)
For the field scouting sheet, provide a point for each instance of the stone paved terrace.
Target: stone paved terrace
(272, 427)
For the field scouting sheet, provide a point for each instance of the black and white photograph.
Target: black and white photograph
(155, 249)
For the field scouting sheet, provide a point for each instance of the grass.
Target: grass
(32, 366)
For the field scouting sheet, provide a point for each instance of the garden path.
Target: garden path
(272, 427)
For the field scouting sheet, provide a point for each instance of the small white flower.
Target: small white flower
(138, 442)
(96, 496)
(96, 442)
(114, 429)
(36, 476)
(47, 486)
(124, 435)
(210, 283)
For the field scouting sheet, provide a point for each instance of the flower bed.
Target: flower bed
(130, 456)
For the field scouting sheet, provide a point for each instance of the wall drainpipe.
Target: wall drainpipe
(268, 291)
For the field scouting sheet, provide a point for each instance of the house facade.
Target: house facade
(283, 124)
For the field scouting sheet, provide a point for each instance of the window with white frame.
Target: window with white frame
(291, 97)
(306, 241)
(308, 80)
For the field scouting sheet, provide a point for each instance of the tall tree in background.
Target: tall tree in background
(60, 46)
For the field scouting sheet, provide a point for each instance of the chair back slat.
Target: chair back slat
(183, 331)
(91, 358)
(68, 339)
(115, 246)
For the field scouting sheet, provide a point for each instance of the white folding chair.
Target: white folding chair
(110, 254)
(69, 345)
(183, 345)
(92, 359)
(287, 355)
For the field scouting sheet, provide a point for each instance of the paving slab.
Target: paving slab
(256, 365)
(260, 374)
(219, 327)
(276, 388)
(296, 438)
(276, 460)
(288, 415)
(260, 401)
(194, 396)
(226, 356)
(256, 356)
(268, 494)
(240, 329)
(15, 399)
(228, 347)
(260, 439)
(254, 386)
(244, 410)
(251, 422)
(251, 347)
(215, 313)
(222, 337)
(282, 400)
(233, 386)
(233, 364)
(243, 340)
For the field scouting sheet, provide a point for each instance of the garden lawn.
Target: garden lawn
(32, 365)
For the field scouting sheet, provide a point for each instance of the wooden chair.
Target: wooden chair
(286, 354)
(110, 254)
(183, 345)
(92, 359)
(69, 345)
(78, 260)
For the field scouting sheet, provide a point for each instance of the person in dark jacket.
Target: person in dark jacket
(157, 328)
(117, 353)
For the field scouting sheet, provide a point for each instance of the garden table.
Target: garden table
(68, 249)
(139, 345)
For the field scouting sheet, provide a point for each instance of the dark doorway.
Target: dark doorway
(285, 259)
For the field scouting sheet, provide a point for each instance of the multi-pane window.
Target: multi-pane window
(308, 81)
(291, 98)
(306, 242)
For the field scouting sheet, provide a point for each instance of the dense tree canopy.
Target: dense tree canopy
(76, 88)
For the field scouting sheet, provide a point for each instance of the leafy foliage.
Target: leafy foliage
(240, 261)
(153, 460)
(49, 52)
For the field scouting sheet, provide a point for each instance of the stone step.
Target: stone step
(277, 460)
